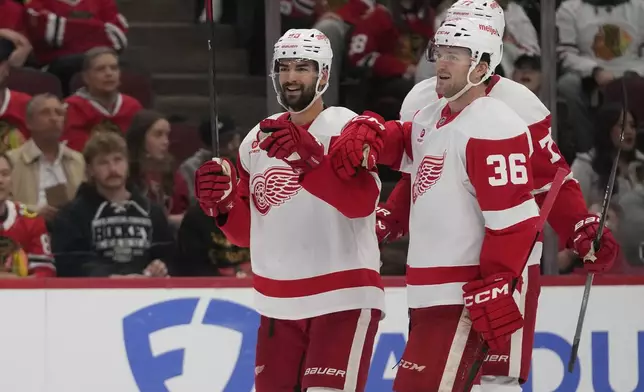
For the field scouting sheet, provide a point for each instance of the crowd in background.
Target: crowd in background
(97, 166)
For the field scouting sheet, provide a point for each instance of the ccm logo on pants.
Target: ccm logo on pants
(487, 295)
(411, 366)
(325, 372)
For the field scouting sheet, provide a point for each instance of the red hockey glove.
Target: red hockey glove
(358, 145)
(387, 226)
(595, 261)
(494, 313)
(215, 186)
(292, 144)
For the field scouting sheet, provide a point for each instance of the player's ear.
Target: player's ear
(481, 69)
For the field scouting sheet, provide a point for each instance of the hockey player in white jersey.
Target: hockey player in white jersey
(472, 217)
(314, 253)
(506, 369)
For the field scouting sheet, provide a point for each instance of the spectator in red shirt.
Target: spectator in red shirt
(25, 246)
(62, 31)
(99, 106)
(13, 104)
(386, 46)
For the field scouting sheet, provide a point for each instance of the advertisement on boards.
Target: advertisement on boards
(203, 339)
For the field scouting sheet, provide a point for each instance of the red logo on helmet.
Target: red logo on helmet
(273, 188)
(489, 29)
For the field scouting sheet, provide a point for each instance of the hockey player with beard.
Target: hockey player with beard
(506, 369)
(314, 253)
(469, 156)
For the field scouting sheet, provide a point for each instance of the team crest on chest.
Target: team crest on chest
(428, 173)
(273, 188)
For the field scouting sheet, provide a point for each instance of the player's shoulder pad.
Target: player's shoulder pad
(25, 211)
(520, 99)
(422, 94)
(491, 119)
(331, 121)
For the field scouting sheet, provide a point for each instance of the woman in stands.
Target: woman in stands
(592, 169)
(151, 165)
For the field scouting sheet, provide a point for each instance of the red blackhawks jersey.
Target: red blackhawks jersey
(29, 231)
(472, 212)
(12, 16)
(85, 115)
(386, 49)
(313, 247)
(13, 130)
(66, 27)
(569, 207)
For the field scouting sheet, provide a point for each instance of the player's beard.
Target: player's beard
(299, 102)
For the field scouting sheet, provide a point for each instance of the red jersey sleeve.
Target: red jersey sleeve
(356, 198)
(236, 224)
(501, 175)
(569, 206)
(12, 16)
(38, 248)
(373, 45)
(105, 28)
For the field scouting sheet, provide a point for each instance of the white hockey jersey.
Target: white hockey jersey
(546, 159)
(472, 212)
(307, 257)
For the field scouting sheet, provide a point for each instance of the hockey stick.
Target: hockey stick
(602, 222)
(557, 182)
(214, 121)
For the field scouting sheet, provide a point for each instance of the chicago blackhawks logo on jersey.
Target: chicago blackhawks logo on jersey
(273, 188)
(428, 173)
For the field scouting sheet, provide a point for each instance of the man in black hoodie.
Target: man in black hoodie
(110, 229)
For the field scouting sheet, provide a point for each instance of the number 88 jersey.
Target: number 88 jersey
(472, 213)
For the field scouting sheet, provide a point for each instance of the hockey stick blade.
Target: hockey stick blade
(574, 351)
(546, 207)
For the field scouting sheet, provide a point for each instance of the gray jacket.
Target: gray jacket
(593, 192)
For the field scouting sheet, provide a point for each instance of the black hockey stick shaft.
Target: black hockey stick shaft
(212, 76)
(546, 207)
(574, 351)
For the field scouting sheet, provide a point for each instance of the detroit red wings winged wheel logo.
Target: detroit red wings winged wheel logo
(428, 173)
(273, 188)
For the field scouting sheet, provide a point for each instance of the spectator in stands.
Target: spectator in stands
(599, 40)
(46, 172)
(22, 47)
(151, 165)
(62, 31)
(24, 242)
(99, 106)
(110, 229)
(184, 179)
(335, 23)
(631, 232)
(203, 250)
(386, 46)
(527, 71)
(592, 169)
(13, 104)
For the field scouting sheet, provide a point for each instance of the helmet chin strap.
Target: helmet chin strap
(468, 86)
